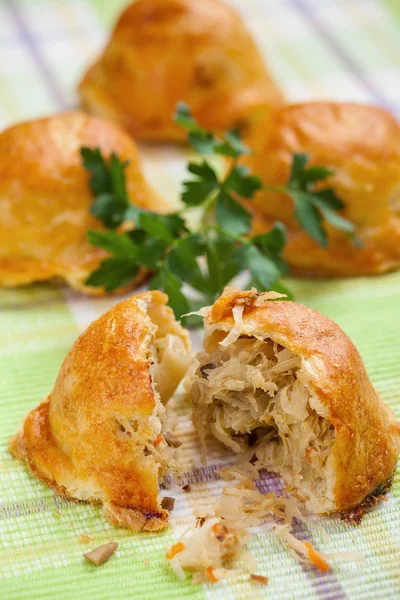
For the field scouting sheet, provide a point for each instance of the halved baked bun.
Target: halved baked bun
(283, 380)
(362, 146)
(164, 51)
(99, 435)
(45, 197)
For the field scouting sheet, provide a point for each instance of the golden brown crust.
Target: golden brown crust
(367, 438)
(362, 145)
(165, 51)
(45, 197)
(73, 441)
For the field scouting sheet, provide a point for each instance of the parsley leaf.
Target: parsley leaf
(114, 273)
(231, 145)
(263, 257)
(241, 181)
(308, 216)
(162, 227)
(109, 210)
(311, 205)
(232, 215)
(197, 190)
(183, 117)
(108, 185)
(172, 286)
(272, 244)
(94, 162)
(119, 245)
(182, 260)
(204, 141)
(263, 269)
(212, 193)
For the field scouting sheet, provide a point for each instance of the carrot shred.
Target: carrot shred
(158, 440)
(309, 454)
(210, 575)
(174, 550)
(316, 558)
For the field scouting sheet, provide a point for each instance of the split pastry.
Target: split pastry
(284, 383)
(165, 51)
(100, 434)
(45, 197)
(361, 144)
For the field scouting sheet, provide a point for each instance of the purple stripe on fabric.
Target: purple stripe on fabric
(337, 48)
(202, 474)
(325, 584)
(29, 507)
(30, 43)
(50, 36)
(269, 482)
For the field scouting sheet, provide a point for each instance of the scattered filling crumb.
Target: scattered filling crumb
(168, 503)
(214, 548)
(259, 579)
(100, 555)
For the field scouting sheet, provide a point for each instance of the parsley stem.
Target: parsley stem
(240, 238)
(213, 264)
(208, 205)
(276, 188)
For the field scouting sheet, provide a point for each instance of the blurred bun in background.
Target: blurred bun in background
(165, 51)
(45, 197)
(361, 144)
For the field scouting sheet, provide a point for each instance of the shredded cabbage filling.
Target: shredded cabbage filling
(150, 436)
(252, 393)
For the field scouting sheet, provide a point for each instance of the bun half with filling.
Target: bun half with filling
(45, 197)
(165, 51)
(100, 434)
(284, 382)
(361, 144)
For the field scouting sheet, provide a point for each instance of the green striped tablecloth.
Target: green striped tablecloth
(337, 49)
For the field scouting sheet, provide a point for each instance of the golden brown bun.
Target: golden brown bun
(367, 440)
(82, 440)
(165, 51)
(45, 197)
(362, 145)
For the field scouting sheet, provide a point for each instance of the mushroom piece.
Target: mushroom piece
(100, 555)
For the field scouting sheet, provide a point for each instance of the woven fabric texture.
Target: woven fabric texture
(317, 49)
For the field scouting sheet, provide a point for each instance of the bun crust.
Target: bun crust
(367, 437)
(165, 51)
(91, 438)
(362, 146)
(45, 197)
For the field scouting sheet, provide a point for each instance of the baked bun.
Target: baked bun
(285, 382)
(165, 51)
(45, 197)
(99, 435)
(362, 145)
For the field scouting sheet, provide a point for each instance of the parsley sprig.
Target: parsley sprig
(108, 184)
(193, 265)
(312, 205)
(203, 259)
